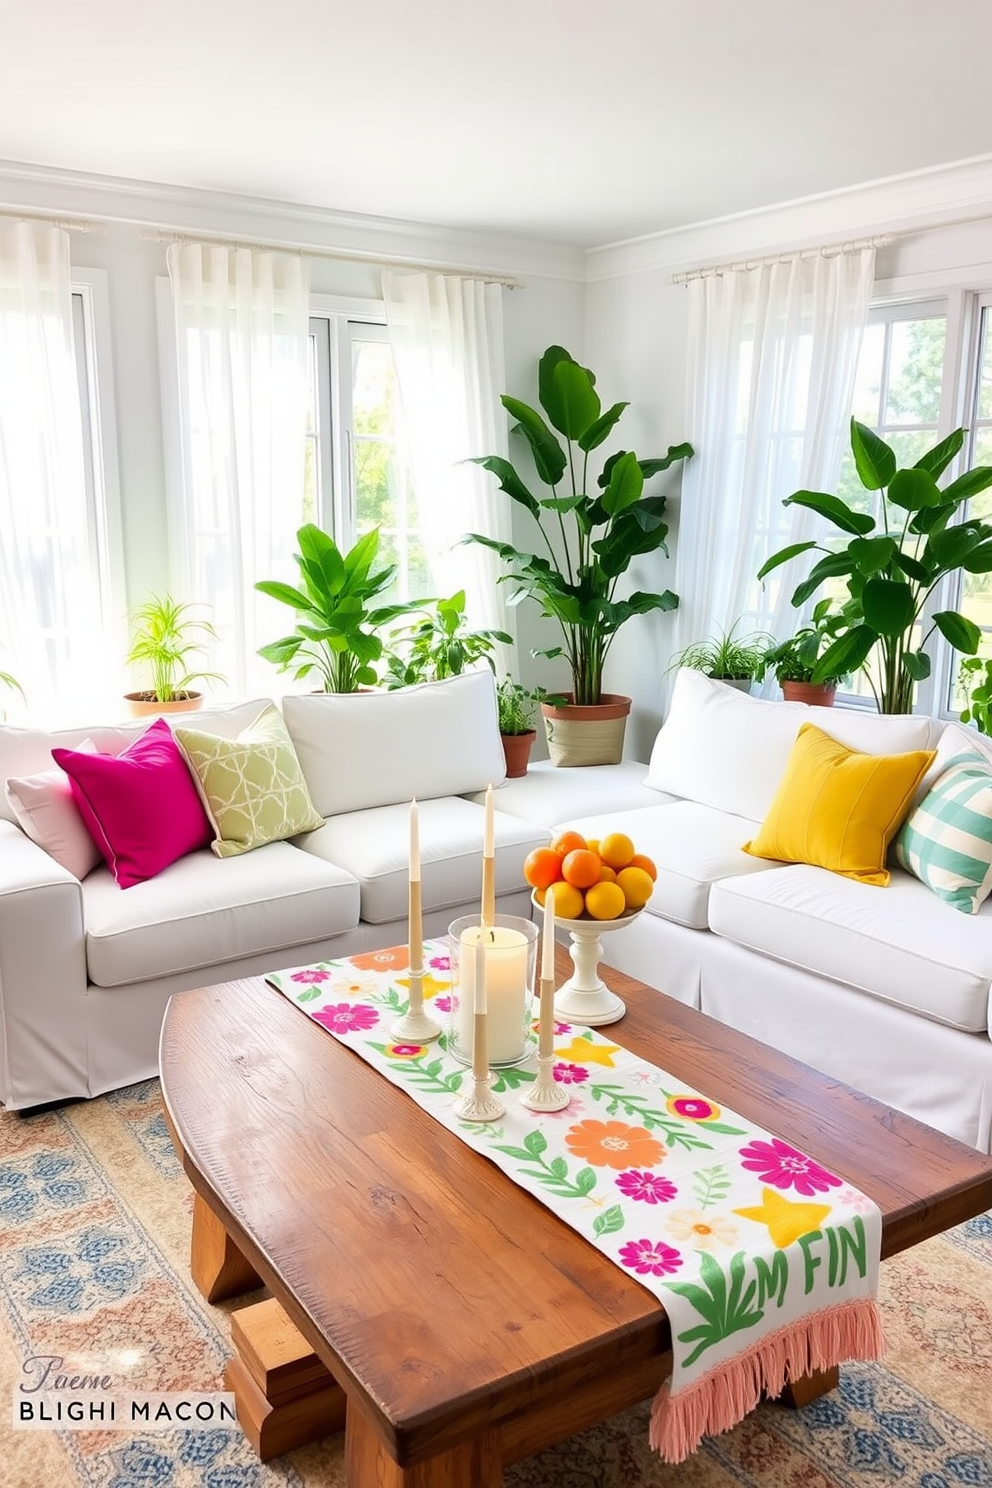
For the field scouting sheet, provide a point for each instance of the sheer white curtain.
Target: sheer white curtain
(773, 353)
(447, 340)
(242, 343)
(54, 633)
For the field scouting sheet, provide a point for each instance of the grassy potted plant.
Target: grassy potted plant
(517, 707)
(728, 657)
(794, 660)
(12, 684)
(892, 565)
(338, 624)
(438, 644)
(588, 531)
(165, 636)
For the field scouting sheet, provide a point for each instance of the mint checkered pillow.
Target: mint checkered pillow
(947, 840)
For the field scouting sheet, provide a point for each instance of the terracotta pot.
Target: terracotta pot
(516, 749)
(143, 704)
(817, 694)
(587, 734)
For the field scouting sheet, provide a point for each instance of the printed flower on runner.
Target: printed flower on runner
(784, 1167)
(650, 1257)
(569, 1074)
(440, 963)
(310, 975)
(702, 1233)
(859, 1202)
(692, 1108)
(442, 1004)
(647, 1188)
(394, 958)
(346, 1018)
(614, 1144)
(353, 987)
(403, 1051)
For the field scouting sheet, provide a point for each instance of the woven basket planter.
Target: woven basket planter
(587, 735)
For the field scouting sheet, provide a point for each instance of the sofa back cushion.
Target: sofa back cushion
(364, 749)
(727, 750)
(25, 751)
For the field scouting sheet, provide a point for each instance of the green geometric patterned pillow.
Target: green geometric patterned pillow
(947, 841)
(252, 786)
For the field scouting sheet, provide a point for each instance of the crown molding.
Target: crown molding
(904, 204)
(145, 204)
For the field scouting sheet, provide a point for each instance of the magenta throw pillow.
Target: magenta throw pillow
(141, 806)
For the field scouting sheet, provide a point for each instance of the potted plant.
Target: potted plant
(891, 567)
(6, 680)
(728, 657)
(517, 708)
(438, 644)
(589, 533)
(165, 635)
(975, 676)
(794, 660)
(337, 627)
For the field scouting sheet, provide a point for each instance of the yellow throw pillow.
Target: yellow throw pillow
(837, 808)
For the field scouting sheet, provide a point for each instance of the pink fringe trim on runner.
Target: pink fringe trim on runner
(718, 1400)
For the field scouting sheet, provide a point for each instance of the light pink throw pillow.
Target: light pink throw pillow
(47, 813)
(141, 806)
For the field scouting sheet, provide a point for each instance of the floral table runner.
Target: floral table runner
(765, 1262)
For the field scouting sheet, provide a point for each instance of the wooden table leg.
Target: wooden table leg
(476, 1462)
(800, 1392)
(216, 1264)
(284, 1395)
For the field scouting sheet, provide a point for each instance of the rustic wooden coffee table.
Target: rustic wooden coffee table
(463, 1325)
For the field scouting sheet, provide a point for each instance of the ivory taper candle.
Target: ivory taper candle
(480, 1042)
(488, 915)
(545, 1045)
(416, 935)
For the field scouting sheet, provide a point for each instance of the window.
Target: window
(61, 611)
(925, 369)
(356, 474)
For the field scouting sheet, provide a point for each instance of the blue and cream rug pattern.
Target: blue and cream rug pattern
(94, 1239)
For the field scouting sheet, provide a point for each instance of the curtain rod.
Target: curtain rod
(829, 250)
(307, 250)
(68, 224)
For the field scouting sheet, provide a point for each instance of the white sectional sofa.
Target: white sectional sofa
(884, 988)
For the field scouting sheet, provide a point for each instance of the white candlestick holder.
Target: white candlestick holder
(415, 1026)
(480, 1104)
(545, 1094)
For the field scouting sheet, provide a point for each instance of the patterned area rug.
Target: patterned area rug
(94, 1236)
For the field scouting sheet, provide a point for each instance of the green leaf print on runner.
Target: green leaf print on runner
(553, 1174)
(723, 1311)
(610, 1222)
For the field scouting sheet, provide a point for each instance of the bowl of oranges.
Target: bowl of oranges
(603, 881)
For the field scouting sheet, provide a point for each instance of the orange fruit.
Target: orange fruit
(581, 868)
(542, 867)
(605, 901)
(636, 887)
(569, 902)
(616, 849)
(641, 860)
(593, 844)
(607, 874)
(568, 842)
(539, 896)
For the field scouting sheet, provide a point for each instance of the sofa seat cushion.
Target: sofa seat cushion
(549, 794)
(374, 844)
(900, 943)
(202, 911)
(692, 847)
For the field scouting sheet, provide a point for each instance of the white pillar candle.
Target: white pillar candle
(505, 958)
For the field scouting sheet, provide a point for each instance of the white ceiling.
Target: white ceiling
(578, 121)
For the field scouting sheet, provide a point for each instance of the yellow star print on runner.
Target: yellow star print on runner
(429, 987)
(584, 1051)
(786, 1218)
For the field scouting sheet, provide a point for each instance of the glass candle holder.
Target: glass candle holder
(510, 946)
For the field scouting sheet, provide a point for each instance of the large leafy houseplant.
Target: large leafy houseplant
(589, 537)
(338, 626)
(892, 566)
